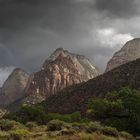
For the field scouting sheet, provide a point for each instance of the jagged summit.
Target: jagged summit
(57, 52)
(79, 60)
(129, 52)
(18, 71)
(13, 87)
(60, 70)
(64, 53)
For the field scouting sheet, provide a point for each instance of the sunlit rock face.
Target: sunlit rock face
(13, 88)
(60, 70)
(129, 52)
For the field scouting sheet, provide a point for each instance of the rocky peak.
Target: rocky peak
(13, 87)
(18, 72)
(57, 52)
(78, 60)
(129, 52)
(60, 70)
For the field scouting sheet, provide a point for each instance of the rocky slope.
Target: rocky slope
(60, 70)
(75, 98)
(13, 88)
(129, 52)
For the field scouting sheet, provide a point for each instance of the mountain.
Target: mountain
(75, 98)
(14, 86)
(129, 52)
(60, 70)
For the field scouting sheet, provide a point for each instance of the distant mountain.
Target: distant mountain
(60, 70)
(129, 52)
(13, 88)
(75, 98)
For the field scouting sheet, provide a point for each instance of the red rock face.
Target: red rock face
(56, 74)
(76, 97)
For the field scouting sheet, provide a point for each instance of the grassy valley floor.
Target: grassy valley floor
(59, 130)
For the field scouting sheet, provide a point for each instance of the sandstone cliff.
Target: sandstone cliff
(75, 98)
(13, 88)
(129, 52)
(60, 70)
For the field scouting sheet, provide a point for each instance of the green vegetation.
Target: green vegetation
(38, 114)
(29, 113)
(118, 109)
(59, 130)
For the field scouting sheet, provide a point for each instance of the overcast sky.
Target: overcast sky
(30, 30)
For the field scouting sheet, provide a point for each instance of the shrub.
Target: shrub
(94, 126)
(55, 125)
(110, 131)
(79, 126)
(126, 135)
(84, 136)
(4, 135)
(19, 134)
(31, 125)
(108, 138)
(37, 114)
(66, 131)
(74, 117)
(94, 136)
(6, 125)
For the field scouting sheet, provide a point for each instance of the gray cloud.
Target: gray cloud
(118, 8)
(30, 30)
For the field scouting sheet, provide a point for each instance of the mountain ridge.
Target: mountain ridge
(60, 70)
(75, 98)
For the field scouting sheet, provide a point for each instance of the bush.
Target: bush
(126, 135)
(4, 135)
(108, 138)
(110, 131)
(66, 131)
(29, 113)
(55, 125)
(95, 136)
(94, 126)
(19, 134)
(37, 114)
(74, 117)
(6, 125)
(84, 136)
(79, 126)
(31, 125)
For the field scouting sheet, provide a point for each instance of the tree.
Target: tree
(119, 109)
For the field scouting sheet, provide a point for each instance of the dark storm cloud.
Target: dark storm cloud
(117, 8)
(20, 13)
(28, 23)
(30, 30)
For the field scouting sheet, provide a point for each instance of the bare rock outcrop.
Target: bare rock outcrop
(13, 88)
(129, 52)
(60, 70)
